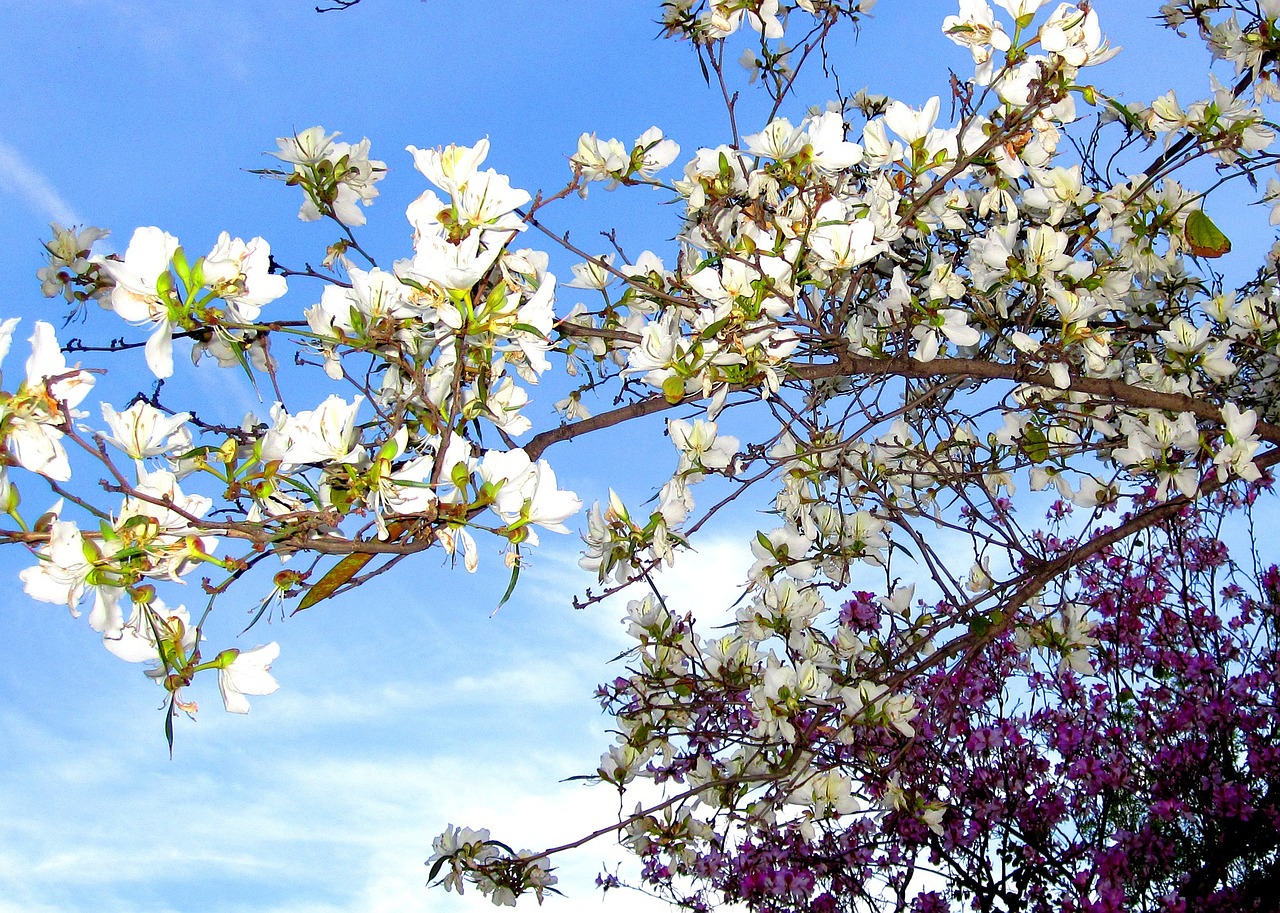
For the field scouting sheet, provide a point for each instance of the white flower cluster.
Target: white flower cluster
(453, 326)
(502, 876)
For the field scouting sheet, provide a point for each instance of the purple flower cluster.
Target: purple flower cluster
(1151, 785)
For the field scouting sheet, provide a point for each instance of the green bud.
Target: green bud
(165, 286)
(181, 266)
(673, 388)
(11, 499)
(224, 659)
(496, 298)
(197, 275)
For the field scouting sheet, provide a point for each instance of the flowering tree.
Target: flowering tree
(929, 698)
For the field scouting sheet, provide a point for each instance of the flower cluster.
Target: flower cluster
(497, 872)
(215, 299)
(449, 330)
(335, 177)
(73, 272)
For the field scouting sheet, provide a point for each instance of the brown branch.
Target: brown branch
(1106, 388)
(1036, 580)
(540, 442)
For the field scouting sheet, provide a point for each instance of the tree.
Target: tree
(912, 329)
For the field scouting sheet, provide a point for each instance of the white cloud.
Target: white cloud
(23, 180)
(341, 831)
(707, 582)
(327, 798)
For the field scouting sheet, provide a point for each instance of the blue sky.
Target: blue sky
(406, 706)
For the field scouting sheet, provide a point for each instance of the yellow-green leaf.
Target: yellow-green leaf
(348, 567)
(339, 574)
(1204, 238)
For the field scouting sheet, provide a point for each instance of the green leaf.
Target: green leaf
(1035, 445)
(168, 724)
(1203, 236)
(898, 546)
(714, 328)
(511, 587)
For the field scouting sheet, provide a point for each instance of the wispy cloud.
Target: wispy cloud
(327, 798)
(343, 831)
(23, 180)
